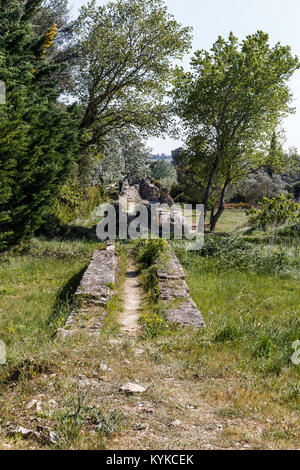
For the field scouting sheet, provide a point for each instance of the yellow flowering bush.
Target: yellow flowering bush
(152, 324)
(49, 39)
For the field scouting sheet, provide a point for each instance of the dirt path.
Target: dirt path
(132, 301)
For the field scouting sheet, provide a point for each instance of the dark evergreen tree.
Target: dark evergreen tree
(38, 137)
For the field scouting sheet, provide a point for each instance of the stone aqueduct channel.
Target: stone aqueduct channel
(96, 288)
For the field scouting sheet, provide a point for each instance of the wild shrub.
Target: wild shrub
(75, 202)
(150, 282)
(277, 211)
(150, 251)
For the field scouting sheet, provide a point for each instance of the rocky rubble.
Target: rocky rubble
(147, 189)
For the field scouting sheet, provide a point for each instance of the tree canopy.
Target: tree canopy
(231, 103)
(124, 154)
(164, 171)
(127, 48)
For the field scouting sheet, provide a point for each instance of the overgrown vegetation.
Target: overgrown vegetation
(234, 383)
(150, 254)
(150, 251)
(276, 257)
(278, 211)
(75, 203)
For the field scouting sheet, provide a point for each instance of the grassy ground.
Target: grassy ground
(231, 220)
(243, 357)
(231, 385)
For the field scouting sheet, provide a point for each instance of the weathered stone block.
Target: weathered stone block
(173, 288)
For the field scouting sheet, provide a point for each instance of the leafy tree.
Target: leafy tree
(190, 183)
(123, 154)
(165, 172)
(37, 136)
(53, 12)
(276, 152)
(136, 155)
(255, 186)
(111, 170)
(231, 104)
(127, 49)
(292, 174)
(64, 53)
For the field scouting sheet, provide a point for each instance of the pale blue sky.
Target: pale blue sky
(211, 18)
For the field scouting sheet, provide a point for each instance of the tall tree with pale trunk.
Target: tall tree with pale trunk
(230, 104)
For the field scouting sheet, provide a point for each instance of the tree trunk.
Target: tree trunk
(215, 217)
(210, 183)
(212, 214)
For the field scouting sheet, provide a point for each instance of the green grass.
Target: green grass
(36, 297)
(36, 291)
(236, 373)
(252, 320)
(231, 220)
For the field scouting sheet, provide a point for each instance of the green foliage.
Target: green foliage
(71, 194)
(270, 345)
(231, 104)
(126, 64)
(148, 254)
(250, 311)
(290, 232)
(124, 154)
(150, 251)
(75, 202)
(277, 211)
(190, 187)
(38, 139)
(164, 172)
(243, 256)
(150, 283)
(153, 325)
(255, 186)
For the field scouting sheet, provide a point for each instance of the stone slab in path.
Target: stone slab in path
(175, 293)
(99, 277)
(93, 293)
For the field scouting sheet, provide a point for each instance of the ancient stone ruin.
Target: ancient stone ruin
(148, 190)
(93, 293)
(175, 294)
(156, 199)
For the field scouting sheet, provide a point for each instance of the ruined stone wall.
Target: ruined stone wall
(175, 294)
(93, 293)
